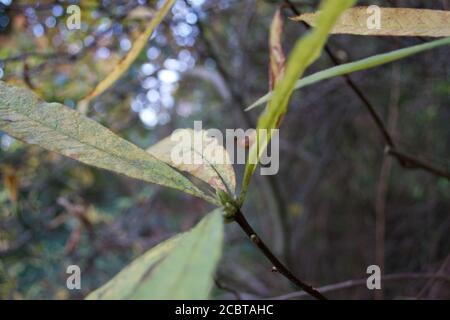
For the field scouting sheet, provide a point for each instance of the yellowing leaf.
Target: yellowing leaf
(305, 52)
(128, 60)
(363, 64)
(392, 22)
(60, 129)
(198, 154)
(181, 267)
(277, 58)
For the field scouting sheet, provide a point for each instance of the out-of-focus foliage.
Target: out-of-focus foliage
(55, 212)
(122, 66)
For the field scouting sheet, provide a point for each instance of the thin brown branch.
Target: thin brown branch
(432, 281)
(383, 182)
(412, 162)
(406, 161)
(361, 282)
(278, 265)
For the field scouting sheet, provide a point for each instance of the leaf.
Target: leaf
(181, 267)
(393, 22)
(204, 157)
(305, 52)
(363, 64)
(277, 58)
(128, 60)
(60, 129)
(128, 279)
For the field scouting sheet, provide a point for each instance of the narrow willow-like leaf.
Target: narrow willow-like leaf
(363, 64)
(181, 267)
(277, 57)
(60, 129)
(392, 22)
(131, 56)
(305, 52)
(202, 155)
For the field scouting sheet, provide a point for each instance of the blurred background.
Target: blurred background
(337, 205)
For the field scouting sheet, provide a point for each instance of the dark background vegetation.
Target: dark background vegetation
(208, 61)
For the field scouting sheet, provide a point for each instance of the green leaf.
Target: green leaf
(181, 267)
(213, 164)
(60, 129)
(305, 52)
(128, 60)
(363, 64)
(277, 58)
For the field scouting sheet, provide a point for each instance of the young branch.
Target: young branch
(279, 266)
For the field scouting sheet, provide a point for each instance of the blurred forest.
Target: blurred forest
(337, 205)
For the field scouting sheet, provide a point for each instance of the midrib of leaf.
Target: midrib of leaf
(84, 143)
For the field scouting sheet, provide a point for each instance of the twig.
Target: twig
(411, 162)
(362, 282)
(406, 161)
(383, 182)
(352, 85)
(278, 265)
